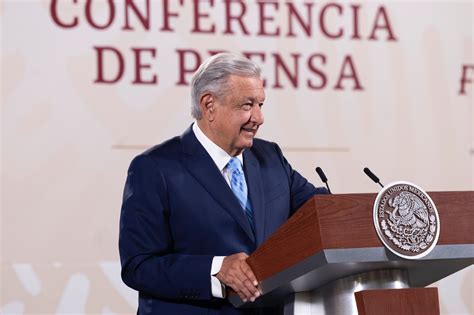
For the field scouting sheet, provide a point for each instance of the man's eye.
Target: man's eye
(247, 106)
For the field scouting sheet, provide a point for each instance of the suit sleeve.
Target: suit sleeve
(149, 262)
(300, 189)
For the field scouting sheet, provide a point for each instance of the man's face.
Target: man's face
(237, 114)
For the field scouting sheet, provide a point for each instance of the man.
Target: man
(196, 205)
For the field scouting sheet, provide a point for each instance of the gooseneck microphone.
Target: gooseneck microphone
(372, 176)
(323, 178)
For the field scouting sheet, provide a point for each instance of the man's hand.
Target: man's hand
(236, 273)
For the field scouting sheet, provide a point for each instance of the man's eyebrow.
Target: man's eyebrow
(252, 99)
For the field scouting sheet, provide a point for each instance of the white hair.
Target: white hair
(212, 77)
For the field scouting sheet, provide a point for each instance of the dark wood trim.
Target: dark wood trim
(412, 301)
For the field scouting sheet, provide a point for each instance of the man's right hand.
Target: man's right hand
(236, 273)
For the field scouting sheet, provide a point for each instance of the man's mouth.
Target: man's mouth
(253, 131)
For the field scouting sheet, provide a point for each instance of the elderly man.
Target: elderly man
(196, 205)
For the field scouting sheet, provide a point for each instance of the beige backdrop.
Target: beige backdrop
(67, 141)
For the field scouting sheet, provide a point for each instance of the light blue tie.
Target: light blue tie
(239, 187)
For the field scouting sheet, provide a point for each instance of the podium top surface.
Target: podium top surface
(345, 222)
(333, 236)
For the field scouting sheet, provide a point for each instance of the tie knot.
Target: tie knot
(234, 165)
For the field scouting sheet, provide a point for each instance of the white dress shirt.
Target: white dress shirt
(220, 158)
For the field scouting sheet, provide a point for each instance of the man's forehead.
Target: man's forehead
(254, 95)
(242, 84)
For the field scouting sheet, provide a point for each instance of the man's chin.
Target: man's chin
(246, 143)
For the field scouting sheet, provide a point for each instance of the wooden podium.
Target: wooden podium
(329, 249)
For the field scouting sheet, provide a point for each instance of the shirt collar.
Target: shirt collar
(219, 156)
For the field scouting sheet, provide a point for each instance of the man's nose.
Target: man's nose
(257, 115)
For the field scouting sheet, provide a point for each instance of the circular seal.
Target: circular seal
(406, 220)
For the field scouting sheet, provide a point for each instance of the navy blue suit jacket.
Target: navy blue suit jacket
(178, 213)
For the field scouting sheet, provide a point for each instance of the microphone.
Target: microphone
(323, 178)
(372, 176)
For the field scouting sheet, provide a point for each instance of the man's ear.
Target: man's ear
(207, 104)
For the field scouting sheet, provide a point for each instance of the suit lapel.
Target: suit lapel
(255, 188)
(202, 167)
